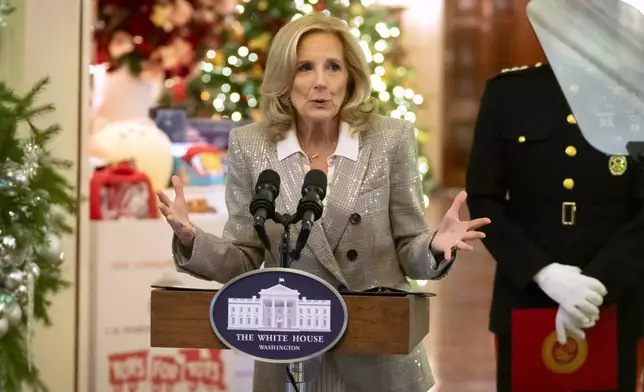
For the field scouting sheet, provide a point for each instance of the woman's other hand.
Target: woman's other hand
(176, 213)
(454, 233)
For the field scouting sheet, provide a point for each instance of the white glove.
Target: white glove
(565, 322)
(578, 294)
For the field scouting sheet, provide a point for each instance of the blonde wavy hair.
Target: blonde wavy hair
(281, 66)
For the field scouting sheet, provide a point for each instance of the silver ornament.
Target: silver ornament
(52, 248)
(3, 309)
(4, 326)
(22, 256)
(22, 295)
(5, 262)
(8, 246)
(59, 261)
(32, 154)
(14, 279)
(14, 315)
(33, 269)
(14, 174)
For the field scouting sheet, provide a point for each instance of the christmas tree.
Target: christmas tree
(35, 200)
(230, 78)
(227, 85)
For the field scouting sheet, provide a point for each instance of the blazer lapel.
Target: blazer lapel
(347, 179)
(292, 176)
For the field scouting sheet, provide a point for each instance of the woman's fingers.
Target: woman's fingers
(165, 210)
(479, 222)
(178, 188)
(458, 202)
(460, 245)
(473, 235)
(164, 199)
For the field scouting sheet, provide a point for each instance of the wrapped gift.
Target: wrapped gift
(215, 132)
(200, 165)
(173, 122)
(119, 191)
(541, 364)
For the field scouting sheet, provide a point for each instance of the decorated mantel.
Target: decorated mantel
(142, 47)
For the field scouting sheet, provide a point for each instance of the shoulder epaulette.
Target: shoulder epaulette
(517, 70)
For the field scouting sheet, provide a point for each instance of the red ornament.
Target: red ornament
(179, 90)
(320, 6)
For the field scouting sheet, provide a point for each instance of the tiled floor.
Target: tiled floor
(460, 346)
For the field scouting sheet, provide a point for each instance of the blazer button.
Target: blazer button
(352, 255)
(342, 288)
(355, 218)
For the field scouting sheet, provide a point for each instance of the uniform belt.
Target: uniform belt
(569, 213)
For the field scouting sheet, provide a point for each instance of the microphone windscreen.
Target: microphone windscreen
(268, 177)
(315, 178)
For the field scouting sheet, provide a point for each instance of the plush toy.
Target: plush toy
(142, 142)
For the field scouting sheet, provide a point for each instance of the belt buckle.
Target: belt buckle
(568, 213)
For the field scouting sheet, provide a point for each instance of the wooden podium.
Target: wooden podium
(379, 323)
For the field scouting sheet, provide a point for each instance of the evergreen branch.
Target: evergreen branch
(15, 364)
(38, 111)
(35, 90)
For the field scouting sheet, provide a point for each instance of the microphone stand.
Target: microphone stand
(294, 370)
(286, 253)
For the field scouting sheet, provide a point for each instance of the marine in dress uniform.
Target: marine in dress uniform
(552, 197)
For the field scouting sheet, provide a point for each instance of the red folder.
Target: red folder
(541, 364)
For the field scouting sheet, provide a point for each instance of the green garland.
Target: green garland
(36, 200)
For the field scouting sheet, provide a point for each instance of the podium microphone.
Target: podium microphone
(310, 207)
(262, 206)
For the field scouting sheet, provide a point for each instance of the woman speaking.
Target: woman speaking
(318, 114)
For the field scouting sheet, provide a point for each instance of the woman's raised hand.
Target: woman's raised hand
(176, 213)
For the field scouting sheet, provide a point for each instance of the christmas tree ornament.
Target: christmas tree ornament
(60, 260)
(21, 256)
(33, 269)
(51, 248)
(14, 314)
(31, 158)
(14, 174)
(6, 299)
(22, 295)
(3, 309)
(5, 262)
(7, 246)
(13, 280)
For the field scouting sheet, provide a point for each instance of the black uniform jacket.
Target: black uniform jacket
(552, 197)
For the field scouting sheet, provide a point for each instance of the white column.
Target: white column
(51, 38)
(286, 318)
(273, 313)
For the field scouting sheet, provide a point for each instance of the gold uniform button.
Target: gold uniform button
(571, 151)
(569, 183)
(521, 139)
(571, 119)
